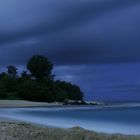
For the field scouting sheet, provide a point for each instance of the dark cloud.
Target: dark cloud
(71, 33)
(30, 18)
(80, 37)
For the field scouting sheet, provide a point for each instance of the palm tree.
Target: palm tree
(25, 75)
(12, 71)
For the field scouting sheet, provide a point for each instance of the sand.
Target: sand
(21, 103)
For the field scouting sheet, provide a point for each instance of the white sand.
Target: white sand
(21, 103)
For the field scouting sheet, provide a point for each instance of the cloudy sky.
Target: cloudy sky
(92, 43)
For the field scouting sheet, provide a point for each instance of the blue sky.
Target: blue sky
(93, 43)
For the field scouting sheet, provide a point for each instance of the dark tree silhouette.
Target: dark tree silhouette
(39, 85)
(12, 71)
(2, 75)
(73, 91)
(25, 75)
(40, 67)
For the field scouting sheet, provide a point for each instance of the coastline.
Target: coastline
(26, 104)
(11, 129)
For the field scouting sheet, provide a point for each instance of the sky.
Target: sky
(92, 43)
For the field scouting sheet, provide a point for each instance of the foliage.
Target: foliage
(12, 71)
(73, 91)
(37, 86)
(40, 67)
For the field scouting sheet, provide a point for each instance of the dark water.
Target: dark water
(110, 120)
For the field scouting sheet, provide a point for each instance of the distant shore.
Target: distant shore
(22, 104)
(30, 104)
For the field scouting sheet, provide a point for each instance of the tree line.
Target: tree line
(37, 83)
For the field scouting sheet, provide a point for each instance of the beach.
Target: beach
(21, 130)
(10, 130)
(22, 103)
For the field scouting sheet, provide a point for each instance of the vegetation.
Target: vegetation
(40, 67)
(36, 83)
(73, 91)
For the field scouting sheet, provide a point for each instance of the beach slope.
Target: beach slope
(22, 131)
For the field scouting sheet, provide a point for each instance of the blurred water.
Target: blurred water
(124, 120)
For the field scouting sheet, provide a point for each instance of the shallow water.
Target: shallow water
(124, 120)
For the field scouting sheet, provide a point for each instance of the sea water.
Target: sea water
(125, 120)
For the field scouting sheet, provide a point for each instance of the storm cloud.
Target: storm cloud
(70, 32)
(78, 37)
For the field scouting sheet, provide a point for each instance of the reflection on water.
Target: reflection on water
(110, 120)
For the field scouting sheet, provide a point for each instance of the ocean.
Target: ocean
(110, 119)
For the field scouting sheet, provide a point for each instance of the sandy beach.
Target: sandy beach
(16, 130)
(21, 103)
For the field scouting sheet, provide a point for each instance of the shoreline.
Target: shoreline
(42, 130)
(15, 130)
(31, 104)
(26, 104)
